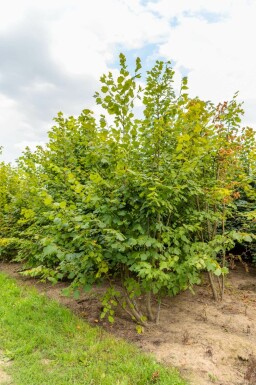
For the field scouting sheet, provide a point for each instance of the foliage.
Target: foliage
(9, 247)
(143, 202)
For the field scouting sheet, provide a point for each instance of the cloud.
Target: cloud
(219, 55)
(87, 38)
(53, 53)
(34, 88)
(11, 119)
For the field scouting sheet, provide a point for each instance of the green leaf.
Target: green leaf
(67, 291)
(48, 201)
(87, 288)
(49, 250)
(76, 294)
(218, 272)
(63, 204)
(247, 238)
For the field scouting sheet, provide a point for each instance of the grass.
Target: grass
(49, 345)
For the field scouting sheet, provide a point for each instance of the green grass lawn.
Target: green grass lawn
(48, 345)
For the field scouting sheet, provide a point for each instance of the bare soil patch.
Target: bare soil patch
(5, 379)
(209, 342)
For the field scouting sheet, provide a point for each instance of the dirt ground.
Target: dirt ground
(5, 379)
(209, 342)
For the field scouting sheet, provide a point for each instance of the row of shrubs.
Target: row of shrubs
(146, 196)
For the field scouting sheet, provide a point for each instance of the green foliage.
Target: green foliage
(9, 248)
(144, 202)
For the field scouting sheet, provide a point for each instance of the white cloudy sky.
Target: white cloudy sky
(52, 53)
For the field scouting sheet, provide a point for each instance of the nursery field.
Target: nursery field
(144, 213)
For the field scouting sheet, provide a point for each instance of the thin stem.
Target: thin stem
(224, 253)
(149, 306)
(133, 310)
(214, 292)
(222, 286)
(158, 312)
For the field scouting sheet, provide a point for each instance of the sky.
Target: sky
(53, 52)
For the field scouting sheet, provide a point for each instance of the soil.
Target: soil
(5, 379)
(209, 342)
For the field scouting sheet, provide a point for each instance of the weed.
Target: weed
(212, 378)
